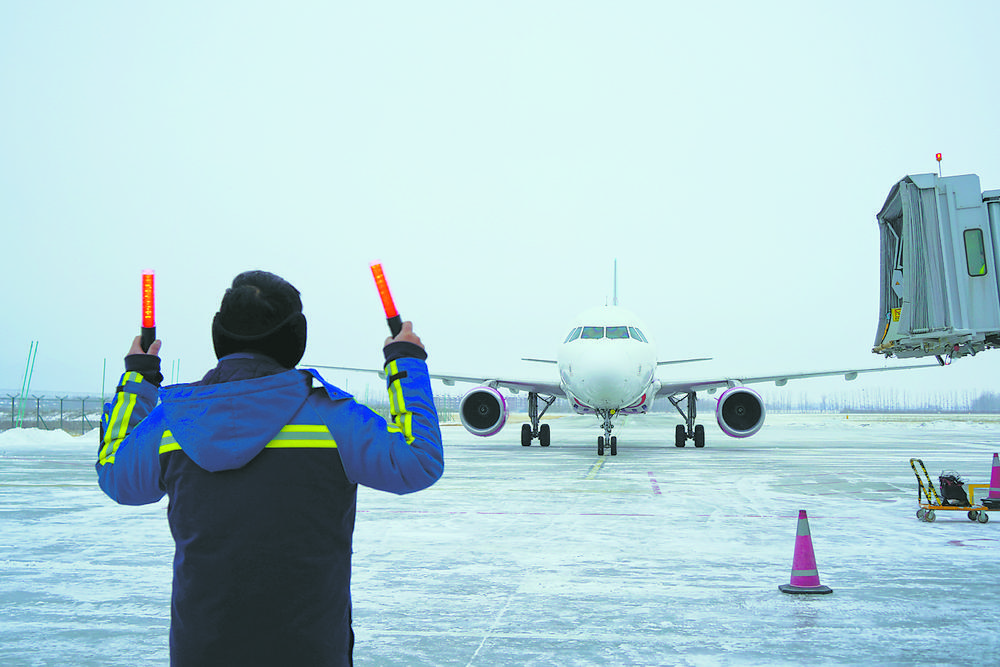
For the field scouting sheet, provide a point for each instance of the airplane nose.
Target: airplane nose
(606, 380)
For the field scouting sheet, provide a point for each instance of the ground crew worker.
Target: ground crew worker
(261, 464)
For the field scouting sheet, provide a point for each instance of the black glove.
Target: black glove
(401, 349)
(146, 364)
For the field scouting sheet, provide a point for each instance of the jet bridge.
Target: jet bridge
(940, 287)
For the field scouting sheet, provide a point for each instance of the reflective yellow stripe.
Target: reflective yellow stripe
(168, 443)
(396, 401)
(292, 436)
(121, 414)
(401, 417)
(317, 430)
(309, 436)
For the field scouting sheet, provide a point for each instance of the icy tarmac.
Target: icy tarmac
(531, 556)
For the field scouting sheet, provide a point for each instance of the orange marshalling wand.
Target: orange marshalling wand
(148, 311)
(391, 314)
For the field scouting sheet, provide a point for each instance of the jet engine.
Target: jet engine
(483, 411)
(740, 412)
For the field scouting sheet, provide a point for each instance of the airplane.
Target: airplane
(607, 366)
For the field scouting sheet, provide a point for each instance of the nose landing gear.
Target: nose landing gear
(612, 441)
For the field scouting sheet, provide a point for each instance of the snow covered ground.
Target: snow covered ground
(525, 556)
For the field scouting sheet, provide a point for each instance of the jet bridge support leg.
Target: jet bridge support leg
(688, 430)
(528, 433)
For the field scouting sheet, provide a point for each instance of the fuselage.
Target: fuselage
(607, 362)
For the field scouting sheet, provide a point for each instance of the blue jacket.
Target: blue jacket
(261, 465)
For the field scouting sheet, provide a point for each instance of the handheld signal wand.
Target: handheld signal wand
(148, 311)
(391, 314)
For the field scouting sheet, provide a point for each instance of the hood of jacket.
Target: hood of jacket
(223, 426)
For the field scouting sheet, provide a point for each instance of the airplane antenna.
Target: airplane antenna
(614, 296)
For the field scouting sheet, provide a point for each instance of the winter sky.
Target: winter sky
(495, 157)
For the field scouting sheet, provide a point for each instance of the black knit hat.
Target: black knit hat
(262, 313)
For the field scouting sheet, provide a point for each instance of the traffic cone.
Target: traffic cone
(995, 478)
(805, 576)
(992, 501)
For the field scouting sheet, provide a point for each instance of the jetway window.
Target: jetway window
(592, 333)
(975, 252)
(573, 335)
(616, 332)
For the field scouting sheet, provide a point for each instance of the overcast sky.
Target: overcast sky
(496, 157)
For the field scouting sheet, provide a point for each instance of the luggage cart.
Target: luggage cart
(930, 501)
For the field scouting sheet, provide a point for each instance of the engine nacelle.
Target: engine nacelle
(740, 412)
(483, 411)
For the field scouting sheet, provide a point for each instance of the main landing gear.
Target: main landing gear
(688, 430)
(612, 441)
(534, 430)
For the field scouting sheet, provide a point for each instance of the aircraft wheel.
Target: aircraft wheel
(699, 436)
(543, 435)
(973, 515)
(525, 435)
(614, 446)
(921, 513)
(930, 516)
(680, 436)
(600, 445)
(983, 517)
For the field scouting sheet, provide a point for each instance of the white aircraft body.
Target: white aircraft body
(607, 367)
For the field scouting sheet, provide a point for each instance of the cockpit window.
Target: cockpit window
(574, 334)
(616, 332)
(613, 333)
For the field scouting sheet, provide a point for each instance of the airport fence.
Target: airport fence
(79, 414)
(73, 414)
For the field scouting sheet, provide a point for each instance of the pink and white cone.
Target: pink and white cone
(805, 576)
(995, 478)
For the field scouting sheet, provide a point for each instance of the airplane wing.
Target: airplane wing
(536, 386)
(658, 363)
(667, 388)
(683, 386)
